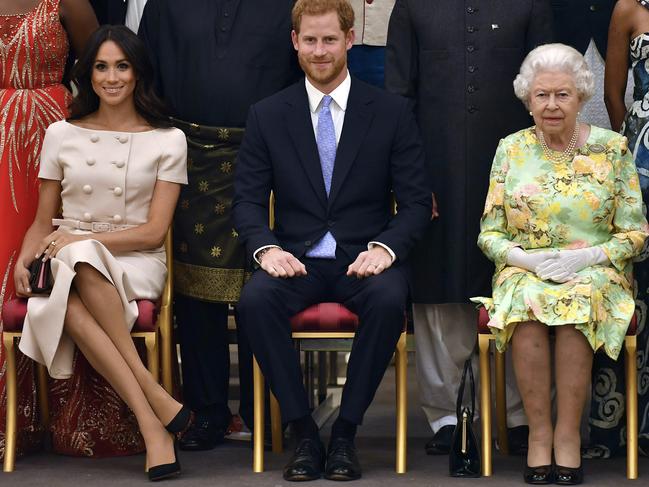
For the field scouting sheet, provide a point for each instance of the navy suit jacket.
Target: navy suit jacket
(379, 151)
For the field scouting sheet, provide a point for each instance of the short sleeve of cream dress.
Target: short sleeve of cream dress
(105, 177)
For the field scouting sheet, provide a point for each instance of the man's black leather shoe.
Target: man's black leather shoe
(342, 462)
(440, 444)
(203, 435)
(307, 461)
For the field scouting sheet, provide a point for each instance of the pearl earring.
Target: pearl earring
(530, 113)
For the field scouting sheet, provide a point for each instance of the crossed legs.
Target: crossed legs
(532, 365)
(94, 320)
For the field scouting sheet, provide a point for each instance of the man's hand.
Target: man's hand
(370, 263)
(279, 263)
(434, 213)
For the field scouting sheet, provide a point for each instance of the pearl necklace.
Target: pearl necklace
(565, 155)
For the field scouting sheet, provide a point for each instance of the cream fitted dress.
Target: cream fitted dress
(105, 177)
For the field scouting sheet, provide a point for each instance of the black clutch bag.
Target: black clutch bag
(40, 276)
(464, 456)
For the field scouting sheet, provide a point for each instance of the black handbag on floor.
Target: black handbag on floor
(40, 277)
(464, 456)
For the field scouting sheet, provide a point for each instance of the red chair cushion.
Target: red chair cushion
(14, 311)
(325, 317)
(483, 319)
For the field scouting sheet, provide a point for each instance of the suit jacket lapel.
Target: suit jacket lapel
(358, 117)
(300, 128)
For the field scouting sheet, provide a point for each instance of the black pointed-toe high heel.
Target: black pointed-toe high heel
(568, 475)
(180, 421)
(166, 470)
(541, 475)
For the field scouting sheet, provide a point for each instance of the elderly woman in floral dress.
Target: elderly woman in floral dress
(562, 221)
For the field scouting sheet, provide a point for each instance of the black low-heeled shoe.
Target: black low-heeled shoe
(166, 470)
(180, 421)
(541, 475)
(568, 475)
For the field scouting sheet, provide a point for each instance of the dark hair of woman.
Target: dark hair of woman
(147, 103)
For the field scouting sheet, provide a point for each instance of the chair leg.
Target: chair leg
(276, 425)
(152, 354)
(11, 412)
(258, 429)
(166, 346)
(322, 377)
(501, 402)
(485, 402)
(631, 408)
(401, 368)
(41, 381)
(333, 368)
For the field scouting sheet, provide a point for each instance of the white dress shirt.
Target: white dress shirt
(338, 106)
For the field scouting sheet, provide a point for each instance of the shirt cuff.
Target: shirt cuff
(388, 249)
(256, 252)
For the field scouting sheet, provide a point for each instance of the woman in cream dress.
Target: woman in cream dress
(116, 174)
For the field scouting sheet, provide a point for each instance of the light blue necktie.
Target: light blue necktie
(325, 248)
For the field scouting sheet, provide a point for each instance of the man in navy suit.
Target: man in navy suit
(332, 149)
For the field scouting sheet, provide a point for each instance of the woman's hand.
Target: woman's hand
(530, 261)
(21, 279)
(569, 262)
(55, 241)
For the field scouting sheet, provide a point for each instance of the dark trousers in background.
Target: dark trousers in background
(265, 308)
(203, 338)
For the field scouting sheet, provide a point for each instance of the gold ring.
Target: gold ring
(53, 243)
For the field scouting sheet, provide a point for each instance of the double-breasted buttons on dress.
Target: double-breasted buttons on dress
(117, 218)
(87, 188)
(470, 48)
(471, 10)
(120, 164)
(471, 88)
(91, 161)
(123, 139)
(117, 191)
(472, 68)
(94, 138)
(87, 217)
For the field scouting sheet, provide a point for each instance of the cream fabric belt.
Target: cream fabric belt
(94, 227)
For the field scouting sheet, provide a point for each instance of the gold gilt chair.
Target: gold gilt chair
(154, 325)
(484, 339)
(325, 324)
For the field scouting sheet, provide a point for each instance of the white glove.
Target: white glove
(517, 257)
(569, 262)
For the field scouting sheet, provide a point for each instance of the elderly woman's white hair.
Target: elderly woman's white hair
(554, 57)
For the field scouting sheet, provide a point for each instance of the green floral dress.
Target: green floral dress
(536, 203)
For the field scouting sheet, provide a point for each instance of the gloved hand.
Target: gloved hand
(518, 257)
(569, 262)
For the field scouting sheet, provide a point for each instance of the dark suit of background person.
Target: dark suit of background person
(583, 24)
(379, 150)
(456, 61)
(213, 59)
(109, 11)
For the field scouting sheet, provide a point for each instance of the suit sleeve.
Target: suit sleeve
(252, 187)
(401, 55)
(540, 30)
(410, 186)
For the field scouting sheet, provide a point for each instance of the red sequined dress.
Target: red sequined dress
(87, 417)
